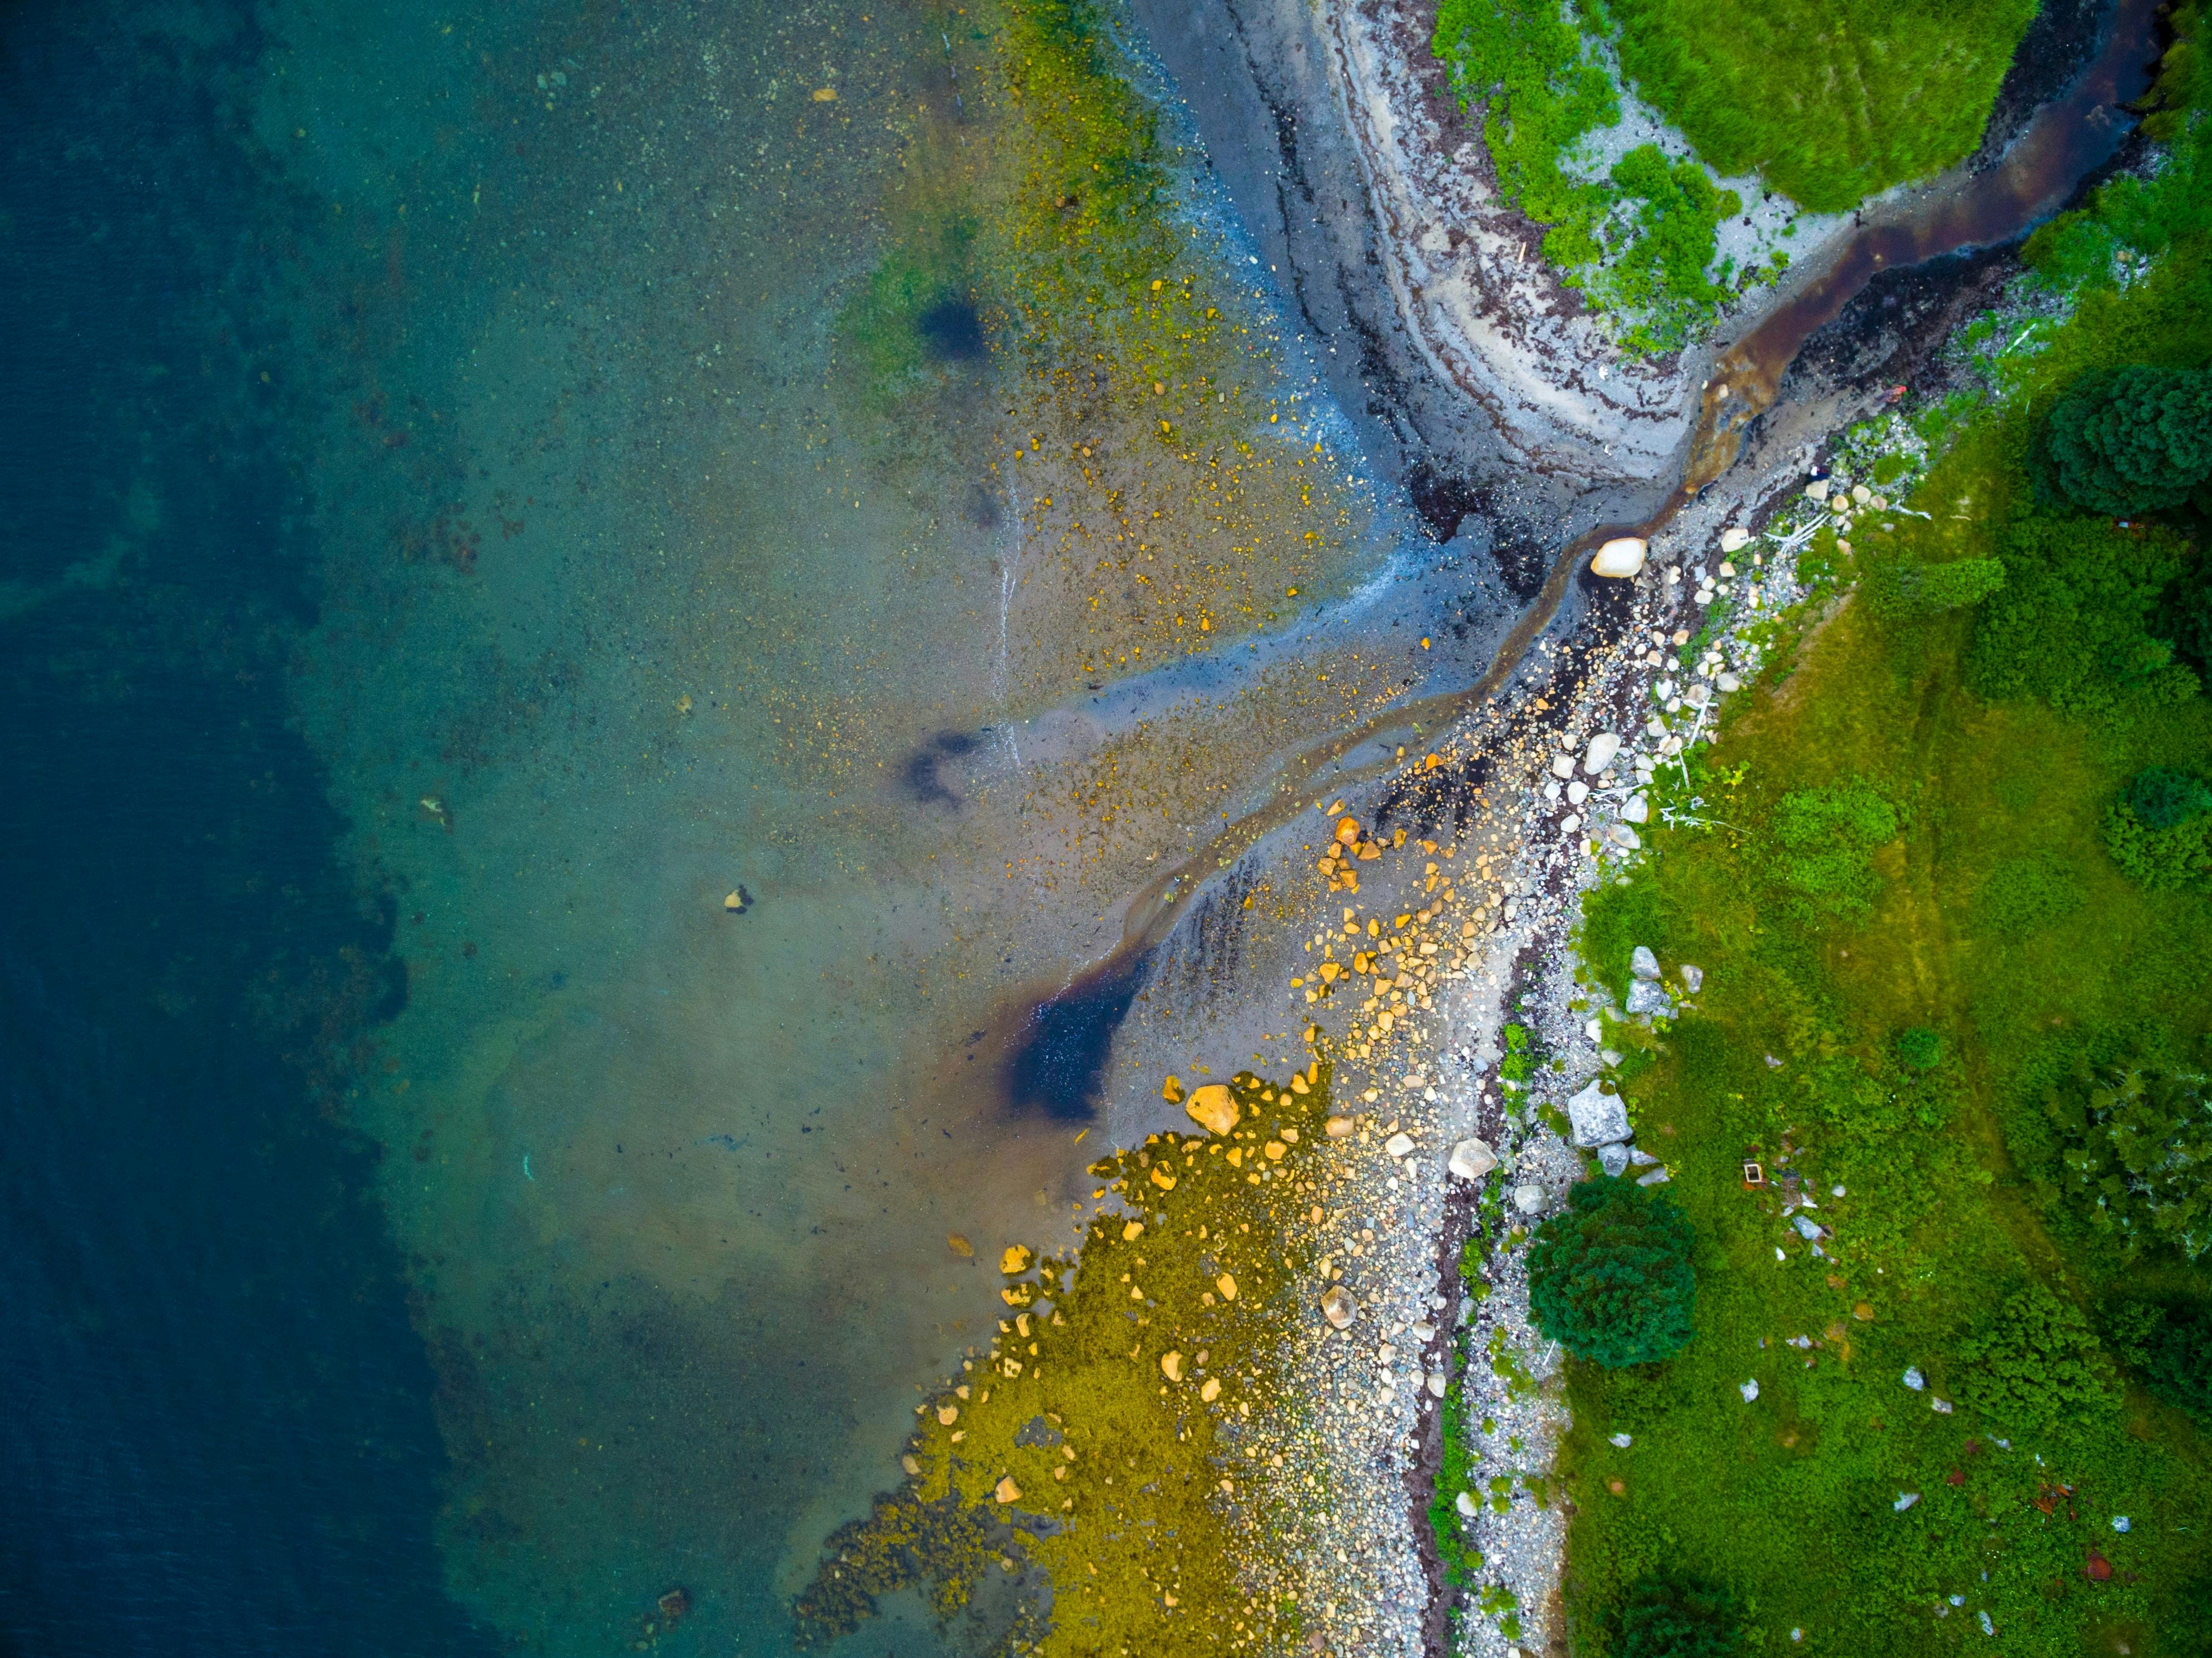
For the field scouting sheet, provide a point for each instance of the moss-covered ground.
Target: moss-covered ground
(1911, 931)
(1105, 1450)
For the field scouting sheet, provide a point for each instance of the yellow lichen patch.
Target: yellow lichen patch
(1124, 1422)
(1171, 1090)
(1015, 1260)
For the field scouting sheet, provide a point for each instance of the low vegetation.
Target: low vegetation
(1940, 1109)
(1829, 103)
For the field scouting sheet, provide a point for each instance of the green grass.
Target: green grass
(1915, 940)
(1829, 102)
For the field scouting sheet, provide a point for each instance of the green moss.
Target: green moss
(1135, 1490)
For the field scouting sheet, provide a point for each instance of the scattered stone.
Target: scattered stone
(1602, 748)
(1734, 538)
(1338, 1307)
(2120, 1522)
(1913, 1379)
(1472, 1159)
(1016, 1259)
(1817, 489)
(1808, 1228)
(1621, 556)
(1644, 997)
(912, 1465)
(1621, 1441)
(1597, 1118)
(1213, 1107)
(1728, 682)
(1398, 1145)
(1640, 1157)
(1940, 1406)
(1465, 1505)
(1635, 810)
(1172, 1365)
(1905, 1500)
(1227, 1287)
(1211, 1390)
(1563, 765)
(1644, 964)
(1693, 978)
(1006, 1491)
(1749, 1390)
(1653, 1177)
(1338, 1128)
(1438, 1382)
(1613, 1159)
(1529, 1198)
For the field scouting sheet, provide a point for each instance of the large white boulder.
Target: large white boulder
(1621, 556)
(1597, 1118)
(1471, 1160)
(1602, 748)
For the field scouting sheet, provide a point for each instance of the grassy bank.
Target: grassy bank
(1980, 1402)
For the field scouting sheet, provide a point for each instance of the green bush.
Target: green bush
(1678, 1617)
(1905, 588)
(2036, 1363)
(2165, 859)
(2132, 440)
(2139, 1150)
(1610, 1279)
(1919, 1048)
(2070, 625)
(2025, 895)
(1544, 89)
(1823, 846)
(1663, 269)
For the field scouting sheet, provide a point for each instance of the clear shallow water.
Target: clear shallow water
(465, 526)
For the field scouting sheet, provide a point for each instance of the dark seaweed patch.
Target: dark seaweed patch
(1058, 1061)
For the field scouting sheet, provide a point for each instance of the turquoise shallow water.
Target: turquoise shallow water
(480, 545)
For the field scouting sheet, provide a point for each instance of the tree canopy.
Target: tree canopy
(1610, 1279)
(2132, 439)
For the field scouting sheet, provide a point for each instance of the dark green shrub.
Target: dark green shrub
(1678, 1617)
(2071, 623)
(2171, 1347)
(1920, 1048)
(2132, 440)
(1823, 841)
(1610, 1279)
(2036, 1361)
(2161, 797)
(2168, 859)
(2139, 1152)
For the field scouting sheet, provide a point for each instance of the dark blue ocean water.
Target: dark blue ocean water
(217, 1424)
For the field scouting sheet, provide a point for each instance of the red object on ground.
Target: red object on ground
(2099, 1568)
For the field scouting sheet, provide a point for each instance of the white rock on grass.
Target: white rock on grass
(1638, 810)
(1644, 997)
(1621, 556)
(1693, 978)
(1749, 1390)
(1613, 1159)
(1643, 963)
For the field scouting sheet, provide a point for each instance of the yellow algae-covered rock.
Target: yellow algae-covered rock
(1172, 1365)
(1171, 1090)
(1006, 1491)
(947, 1415)
(912, 1465)
(1338, 1128)
(1213, 1107)
(1275, 1148)
(1227, 1286)
(1347, 831)
(1133, 1231)
(1211, 1390)
(1297, 1082)
(1015, 1260)
(1164, 1180)
(959, 1246)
